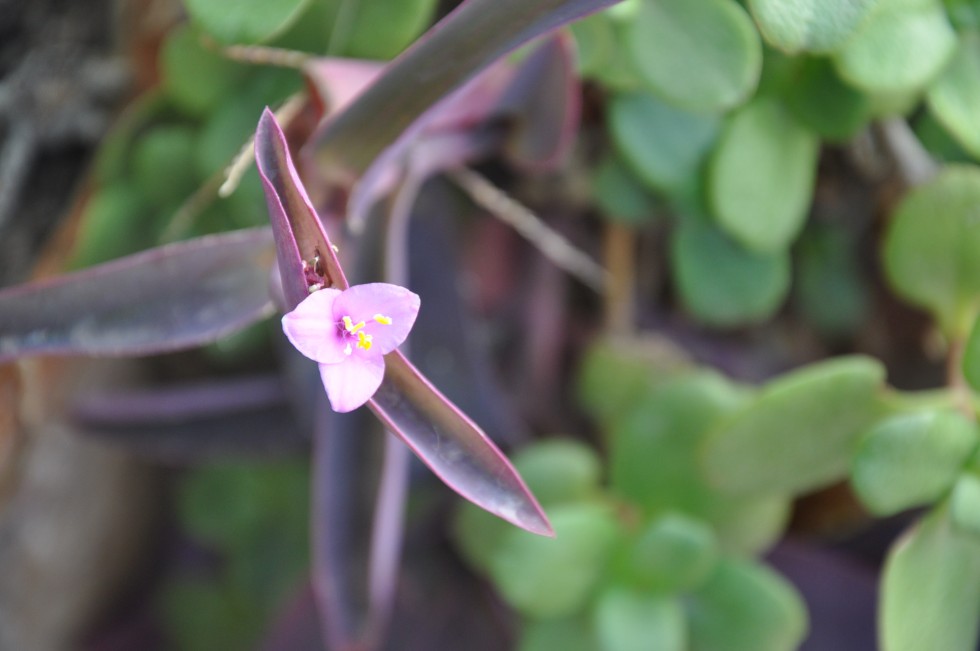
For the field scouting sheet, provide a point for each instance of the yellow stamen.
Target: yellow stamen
(350, 327)
(364, 340)
(382, 319)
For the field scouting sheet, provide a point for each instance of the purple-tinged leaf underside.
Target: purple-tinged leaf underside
(170, 298)
(465, 42)
(453, 446)
(303, 249)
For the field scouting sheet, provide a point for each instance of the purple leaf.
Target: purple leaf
(306, 256)
(170, 298)
(469, 39)
(453, 446)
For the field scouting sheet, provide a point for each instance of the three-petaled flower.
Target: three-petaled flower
(348, 332)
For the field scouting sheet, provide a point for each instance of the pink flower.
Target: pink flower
(349, 332)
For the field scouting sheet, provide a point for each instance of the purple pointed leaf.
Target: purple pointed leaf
(170, 298)
(453, 446)
(469, 39)
(303, 249)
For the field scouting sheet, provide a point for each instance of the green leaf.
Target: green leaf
(675, 553)
(761, 176)
(704, 56)
(831, 292)
(971, 357)
(930, 249)
(573, 634)
(616, 374)
(653, 460)
(116, 222)
(825, 104)
(663, 145)
(596, 44)
(720, 282)
(799, 433)
(955, 97)
(554, 577)
(620, 195)
(930, 593)
(380, 29)
(911, 459)
(244, 21)
(901, 47)
(628, 620)
(163, 167)
(196, 78)
(559, 471)
(809, 25)
(746, 606)
(964, 504)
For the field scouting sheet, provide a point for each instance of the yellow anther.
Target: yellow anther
(364, 340)
(382, 319)
(351, 327)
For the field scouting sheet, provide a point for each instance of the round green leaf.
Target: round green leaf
(746, 606)
(595, 41)
(163, 166)
(244, 21)
(116, 222)
(930, 593)
(620, 195)
(831, 293)
(761, 176)
(573, 634)
(628, 620)
(901, 47)
(559, 471)
(704, 56)
(663, 145)
(955, 97)
(799, 433)
(971, 357)
(381, 29)
(964, 504)
(554, 577)
(722, 283)
(196, 78)
(477, 534)
(675, 553)
(932, 244)
(911, 459)
(825, 104)
(809, 25)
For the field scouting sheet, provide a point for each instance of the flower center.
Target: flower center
(364, 340)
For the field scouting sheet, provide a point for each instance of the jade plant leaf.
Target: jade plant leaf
(165, 299)
(722, 283)
(930, 248)
(809, 25)
(663, 145)
(631, 620)
(954, 98)
(928, 566)
(761, 176)
(901, 47)
(799, 433)
(911, 459)
(244, 21)
(745, 606)
(704, 56)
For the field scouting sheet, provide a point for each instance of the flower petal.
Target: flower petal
(364, 302)
(312, 329)
(352, 382)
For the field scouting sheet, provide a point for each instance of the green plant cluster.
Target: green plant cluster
(717, 111)
(699, 480)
